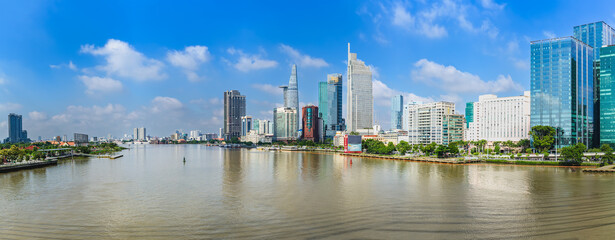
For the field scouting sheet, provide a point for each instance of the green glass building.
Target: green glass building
(607, 99)
(469, 113)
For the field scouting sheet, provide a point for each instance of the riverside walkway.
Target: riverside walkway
(605, 169)
(417, 159)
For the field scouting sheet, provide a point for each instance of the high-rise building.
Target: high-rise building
(195, 135)
(263, 127)
(246, 125)
(469, 113)
(607, 96)
(139, 134)
(81, 139)
(311, 128)
(284, 124)
(596, 35)
(397, 109)
(360, 99)
(291, 92)
(16, 132)
(234, 109)
(452, 128)
(220, 133)
(562, 88)
(430, 122)
(323, 104)
(330, 105)
(498, 119)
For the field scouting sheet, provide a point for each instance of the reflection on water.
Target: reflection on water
(151, 193)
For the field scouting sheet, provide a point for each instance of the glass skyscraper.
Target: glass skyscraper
(607, 97)
(330, 104)
(291, 92)
(562, 88)
(469, 113)
(16, 132)
(397, 108)
(596, 35)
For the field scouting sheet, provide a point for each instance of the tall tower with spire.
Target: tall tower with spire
(360, 99)
(291, 92)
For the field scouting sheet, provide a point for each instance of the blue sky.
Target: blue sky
(105, 67)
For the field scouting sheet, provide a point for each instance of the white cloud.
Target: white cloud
(100, 84)
(189, 60)
(401, 17)
(247, 62)
(383, 94)
(429, 21)
(302, 59)
(37, 116)
(549, 34)
(490, 4)
(452, 80)
(2, 80)
(268, 88)
(124, 61)
(5, 107)
(165, 104)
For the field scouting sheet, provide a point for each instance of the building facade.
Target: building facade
(139, 134)
(452, 128)
(246, 125)
(607, 95)
(425, 122)
(330, 105)
(360, 99)
(397, 109)
(234, 109)
(81, 139)
(284, 124)
(562, 88)
(499, 119)
(311, 128)
(15, 129)
(596, 35)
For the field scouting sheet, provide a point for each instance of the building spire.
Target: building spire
(348, 51)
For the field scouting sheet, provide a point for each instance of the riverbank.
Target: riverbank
(26, 165)
(416, 159)
(467, 161)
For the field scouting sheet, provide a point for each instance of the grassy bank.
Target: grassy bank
(544, 163)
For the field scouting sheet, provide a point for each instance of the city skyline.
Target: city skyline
(87, 81)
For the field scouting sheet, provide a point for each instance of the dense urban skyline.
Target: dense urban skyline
(101, 77)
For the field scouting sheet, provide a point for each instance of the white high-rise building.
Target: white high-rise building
(284, 124)
(195, 135)
(360, 99)
(139, 134)
(263, 127)
(500, 119)
(433, 122)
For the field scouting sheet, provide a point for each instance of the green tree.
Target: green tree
(608, 154)
(441, 151)
(523, 144)
(573, 154)
(403, 147)
(429, 149)
(496, 149)
(453, 149)
(353, 133)
(543, 136)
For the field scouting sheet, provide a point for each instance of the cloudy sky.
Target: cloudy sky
(105, 67)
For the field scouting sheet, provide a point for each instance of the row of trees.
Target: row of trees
(378, 147)
(16, 154)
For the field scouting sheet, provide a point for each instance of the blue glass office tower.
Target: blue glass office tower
(562, 88)
(397, 107)
(330, 104)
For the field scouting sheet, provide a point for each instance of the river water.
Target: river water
(150, 193)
